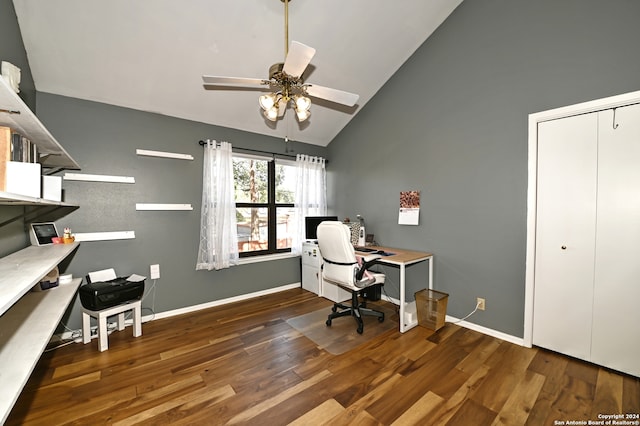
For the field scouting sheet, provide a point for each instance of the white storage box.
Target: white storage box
(23, 178)
(52, 188)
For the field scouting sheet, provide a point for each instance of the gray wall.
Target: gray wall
(12, 236)
(103, 139)
(12, 50)
(452, 123)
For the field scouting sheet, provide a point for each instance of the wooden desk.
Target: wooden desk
(402, 258)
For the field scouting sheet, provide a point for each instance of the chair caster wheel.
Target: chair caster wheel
(381, 319)
(328, 323)
(334, 309)
(360, 330)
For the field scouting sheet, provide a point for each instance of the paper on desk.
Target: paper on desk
(135, 278)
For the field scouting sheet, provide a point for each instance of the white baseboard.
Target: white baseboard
(484, 330)
(69, 334)
(488, 331)
(475, 327)
(215, 303)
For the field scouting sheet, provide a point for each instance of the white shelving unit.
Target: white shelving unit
(16, 114)
(28, 318)
(7, 198)
(23, 269)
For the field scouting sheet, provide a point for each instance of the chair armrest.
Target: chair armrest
(370, 257)
(367, 261)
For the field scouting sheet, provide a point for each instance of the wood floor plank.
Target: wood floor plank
(608, 394)
(321, 415)
(496, 389)
(420, 412)
(518, 406)
(472, 413)
(631, 395)
(277, 399)
(349, 415)
(574, 400)
(242, 363)
(190, 399)
(451, 406)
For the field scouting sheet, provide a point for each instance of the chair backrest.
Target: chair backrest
(334, 241)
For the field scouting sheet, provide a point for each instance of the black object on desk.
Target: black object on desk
(102, 295)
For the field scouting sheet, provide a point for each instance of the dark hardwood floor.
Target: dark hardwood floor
(242, 363)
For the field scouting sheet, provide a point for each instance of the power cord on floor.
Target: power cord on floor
(472, 312)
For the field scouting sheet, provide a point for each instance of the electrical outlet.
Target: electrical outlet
(480, 303)
(154, 271)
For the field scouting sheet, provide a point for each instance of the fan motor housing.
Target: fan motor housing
(275, 69)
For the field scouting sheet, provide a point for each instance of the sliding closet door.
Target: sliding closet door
(616, 308)
(565, 234)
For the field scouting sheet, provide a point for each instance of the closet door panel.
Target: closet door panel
(616, 311)
(565, 234)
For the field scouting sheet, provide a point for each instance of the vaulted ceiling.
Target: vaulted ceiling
(150, 55)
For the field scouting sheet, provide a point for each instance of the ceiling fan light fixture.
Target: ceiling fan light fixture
(271, 114)
(267, 101)
(302, 114)
(286, 82)
(302, 103)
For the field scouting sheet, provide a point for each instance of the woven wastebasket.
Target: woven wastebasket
(431, 306)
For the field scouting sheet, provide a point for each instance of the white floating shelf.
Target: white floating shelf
(105, 236)
(98, 178)
(163, 154)
(143, 206)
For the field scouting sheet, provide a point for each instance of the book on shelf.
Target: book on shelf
(15, 148)
(5, 154)
(18, 146)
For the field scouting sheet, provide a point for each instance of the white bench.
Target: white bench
(101, 316)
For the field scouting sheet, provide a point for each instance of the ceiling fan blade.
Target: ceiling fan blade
(333, 95)
(212, 80)
(298, 57)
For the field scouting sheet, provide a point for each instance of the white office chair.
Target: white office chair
(341, 267)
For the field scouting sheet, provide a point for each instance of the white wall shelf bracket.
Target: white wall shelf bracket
(98, 178)
(144, 206)
(104, 236)
(163, 154)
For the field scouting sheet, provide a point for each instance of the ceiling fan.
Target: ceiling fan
(285, 82)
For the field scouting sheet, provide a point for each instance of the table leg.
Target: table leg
(402, 299)
(431, 273)
(86, 328)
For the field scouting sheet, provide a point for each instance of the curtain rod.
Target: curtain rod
(273, 154)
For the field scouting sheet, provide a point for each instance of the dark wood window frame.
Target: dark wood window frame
(272, 208)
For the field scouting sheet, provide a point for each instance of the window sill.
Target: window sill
(265, 258)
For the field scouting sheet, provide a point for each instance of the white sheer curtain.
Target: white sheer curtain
(218, 230)
(311, 194)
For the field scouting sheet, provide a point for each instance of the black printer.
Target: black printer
(101, 295)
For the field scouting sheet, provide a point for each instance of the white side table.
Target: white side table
(101, 316)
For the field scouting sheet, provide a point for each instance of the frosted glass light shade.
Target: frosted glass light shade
(271, 114)
(302, 114)
(302, 103)
(267, 101)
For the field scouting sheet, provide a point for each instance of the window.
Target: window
(264, 195)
